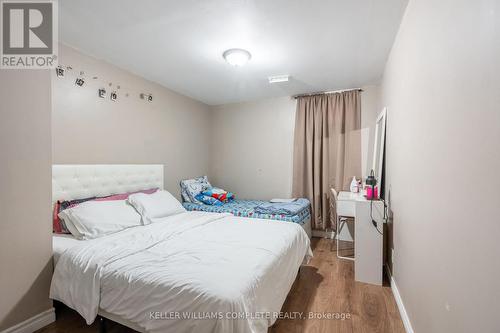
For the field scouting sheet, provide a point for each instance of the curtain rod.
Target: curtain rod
(327, 92)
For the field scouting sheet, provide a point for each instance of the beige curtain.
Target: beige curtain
(327, 149)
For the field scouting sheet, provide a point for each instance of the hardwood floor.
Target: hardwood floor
(325, 287)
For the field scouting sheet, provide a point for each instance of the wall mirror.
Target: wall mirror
(378, 146)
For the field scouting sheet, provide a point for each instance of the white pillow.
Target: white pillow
(94, 219)
(71, 227)
(156, 205)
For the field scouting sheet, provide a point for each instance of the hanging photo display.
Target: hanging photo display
(80, 81)
(60, 71)
(102, 93)
(146, 97)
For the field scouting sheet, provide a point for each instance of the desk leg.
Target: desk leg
(368, 246)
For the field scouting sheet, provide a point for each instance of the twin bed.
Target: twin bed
(189, 272)
(247, 208)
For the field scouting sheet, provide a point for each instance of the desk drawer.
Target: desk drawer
(346, 208)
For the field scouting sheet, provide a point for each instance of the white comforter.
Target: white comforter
(206, 266)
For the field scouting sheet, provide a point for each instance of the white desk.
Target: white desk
(368, 243)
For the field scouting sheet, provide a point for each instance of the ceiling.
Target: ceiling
(321, 44)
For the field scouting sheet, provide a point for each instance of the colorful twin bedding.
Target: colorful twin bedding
(246, 208)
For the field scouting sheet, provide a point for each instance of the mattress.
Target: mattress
(246, 208)
(194, 263)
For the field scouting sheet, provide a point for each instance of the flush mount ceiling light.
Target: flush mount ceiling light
(236, 57)
(278, 78)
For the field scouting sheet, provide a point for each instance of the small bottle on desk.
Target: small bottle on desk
(372, 193)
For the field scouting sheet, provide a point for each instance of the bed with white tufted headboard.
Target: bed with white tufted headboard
(82, 271)
(78, 181)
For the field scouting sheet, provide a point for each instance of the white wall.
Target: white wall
(246, 148)
(371, 106)
(25, 195)
(252, 146)
(173, 130)
(252, 150)
(441, 86)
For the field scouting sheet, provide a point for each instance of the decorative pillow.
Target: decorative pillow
(208, 200)
(71, 203)
(157, 205)
(124, 196)
(57, 227)
(190, 188)
(219, 194)
(185, 195)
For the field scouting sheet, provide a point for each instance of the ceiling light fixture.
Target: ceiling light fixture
(278, 78)
(237, 57)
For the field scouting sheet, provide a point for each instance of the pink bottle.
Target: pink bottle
(371, 193)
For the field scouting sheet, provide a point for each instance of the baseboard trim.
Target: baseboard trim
(34, 323)
(399, 302)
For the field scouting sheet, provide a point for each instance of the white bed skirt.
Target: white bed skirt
(307, 227)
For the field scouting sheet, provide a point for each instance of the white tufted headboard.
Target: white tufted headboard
(80, 181)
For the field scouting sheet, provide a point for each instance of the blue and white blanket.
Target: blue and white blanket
(246, 208)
